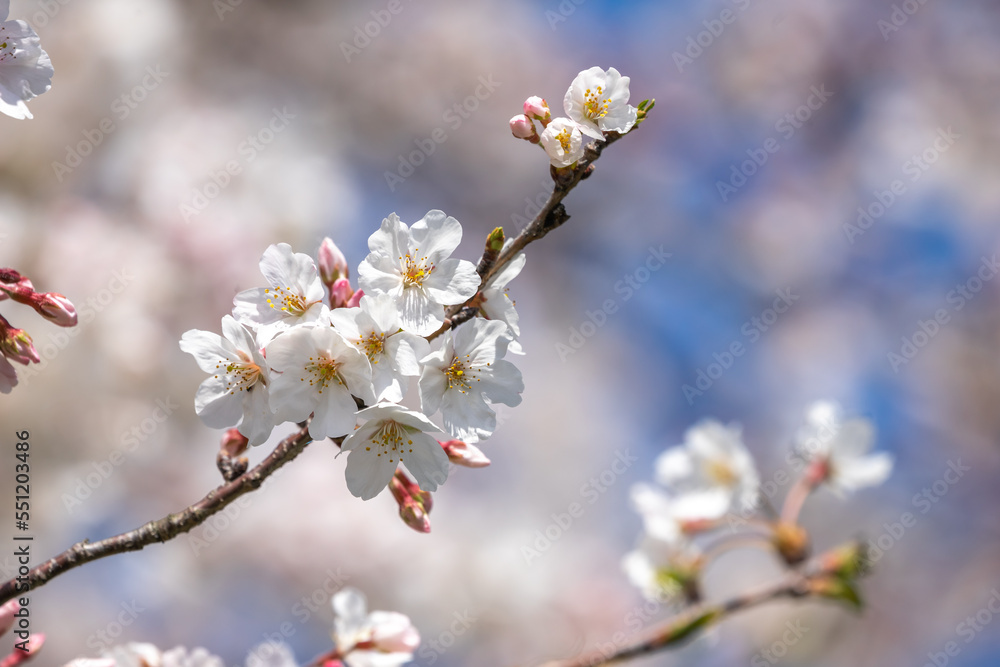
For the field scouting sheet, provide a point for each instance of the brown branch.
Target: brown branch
(163, 529)
(818, 581)
(552, 215)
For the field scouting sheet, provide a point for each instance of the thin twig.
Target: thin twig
(678, 630)
(552, 215)
(163, 529)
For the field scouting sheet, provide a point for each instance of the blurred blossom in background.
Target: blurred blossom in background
(822, 175)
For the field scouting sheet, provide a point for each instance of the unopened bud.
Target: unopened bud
(463, 454)
(537, 109)
(522, 128)
(233, 442)
(836, 588)
(340, 293)
(19, 657)
(332, 263)
(355, 300)
(55, 308)
(848, 562)
(791, 541)
(414, 503)
(16, 345)
(7, 612)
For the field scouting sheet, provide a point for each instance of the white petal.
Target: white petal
(452, 282)
(418, 314)
(503, 384)
(428, 462)
(215, 405)
(208, 349)
(467, 416)
(335, 414)
(406, 350)
(258, 421)
(368, 474)
(435, 236)
(433, 384)
(863, 472)
(673, 466)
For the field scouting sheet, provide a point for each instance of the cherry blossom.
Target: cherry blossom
(318, 372)
(467, 372)
(414, 266)
(374, 328)
(563, 142)
(393, 435)
(839, 449)
(598, 101)
(25, 68)
(237, 392)
(376, 639)
(295, 295)
(495, 304)
(712, 461)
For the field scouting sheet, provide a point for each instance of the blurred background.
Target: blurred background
(841, 154)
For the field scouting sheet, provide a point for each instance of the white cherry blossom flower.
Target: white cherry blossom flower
(295, 295)
(598, 101)
(712, 461)
(374, 328)
(841, 449)
(414, 266)
(237, 392)
(376, 639)
(662, 570)
(495, 304)
(674, 517)
(318, 372)
(563, 142)
(393, 435)
(467, 372)
(25, 68)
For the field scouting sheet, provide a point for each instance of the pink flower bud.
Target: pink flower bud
(522, 128)
(16, 345)
(340, 293)
(355, 300)
(7, 612)
(56, 308)
(537, 109)
(463, 454)
(414, 503)
(19, 657)
(233, 443)
(332, 263)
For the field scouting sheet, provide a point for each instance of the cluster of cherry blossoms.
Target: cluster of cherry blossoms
(710, 482)
(596, 103)
(361, 638)
(25, 68)
(309, 345)
(16, 344)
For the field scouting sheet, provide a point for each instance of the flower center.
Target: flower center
(564, 139)
(461, 374)
(392, 439)
(372, 345)
(321, 372)
(242, 375)
(721, 472)
(593, 105)
(284, 298)
(415, 271)
(8, 49)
